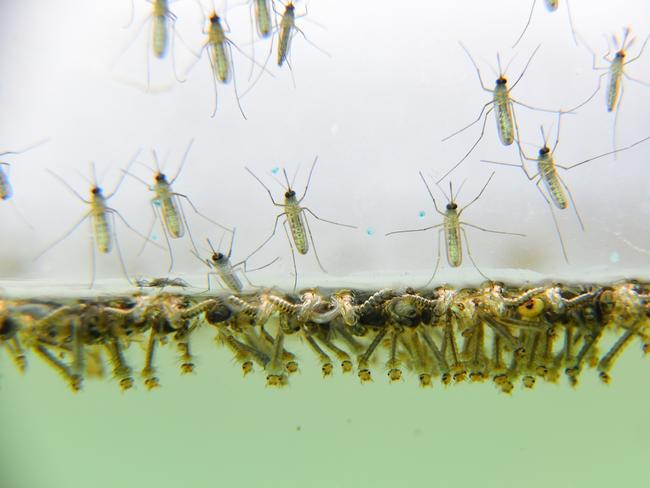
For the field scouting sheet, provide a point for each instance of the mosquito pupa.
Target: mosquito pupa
(295, 217)
(555, 190)
(503, 105)
(102, 220)
(616, 72)
(452, 227)
(551, 6)
(168, 209)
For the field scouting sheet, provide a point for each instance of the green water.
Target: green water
(215, 428)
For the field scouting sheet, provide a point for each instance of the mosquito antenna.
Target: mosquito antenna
(25, 149)
(210, 244)
(461, 187)
(499, 64)
(93, 172)
(286, 178)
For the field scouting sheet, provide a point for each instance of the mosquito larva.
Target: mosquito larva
(452, 227)
(295, 218)
(502, 104)
(551, 6)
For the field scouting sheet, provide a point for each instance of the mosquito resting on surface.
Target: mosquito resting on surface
(556, 189)
(616, 72)
(502, 104)
(551, 6)
(452, 227)
(102, 218)
(167, 207)
(225, 270)
(6, 190)
(294, 214)
(162, 19)
(219, 48)
(286, 30)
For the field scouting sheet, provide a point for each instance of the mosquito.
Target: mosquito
(294, 216)
(219, 48)
(224, 270)
(551, 6)
(286, 30)
(452, 227)
(162, 19)
(102, 219)
(555, 190)
(616, 72)
(167, 207)
(6, 190)
(502, 104)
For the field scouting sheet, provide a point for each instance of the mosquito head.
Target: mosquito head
(214, 18)
(217, 257)
(502, 80)
(544, 150)
(452, 206)
(96, 191)
(290, 194)
(620, 54)
(290, 7)
(160, 177)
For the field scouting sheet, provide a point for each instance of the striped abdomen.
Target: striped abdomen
(297, 227)
(159, 35)
(220, 63)
(452, 239)
(262, 18)
(614, 89)
(171, 216)
(229, 277)
(503, 114)
(286, 25)
(101, 228)
(547, 172)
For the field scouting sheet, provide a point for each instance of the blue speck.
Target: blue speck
(156, 202)
(370, 231)
(614, 257)
(421, 214)
(275, 170)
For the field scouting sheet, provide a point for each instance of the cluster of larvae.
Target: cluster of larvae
(493, 333)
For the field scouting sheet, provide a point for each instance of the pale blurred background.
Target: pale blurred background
(374, 111)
